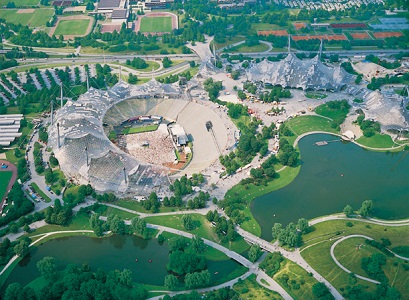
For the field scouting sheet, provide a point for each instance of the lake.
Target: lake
(109, 253)
(333, 176)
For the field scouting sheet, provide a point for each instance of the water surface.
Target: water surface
(333, 176)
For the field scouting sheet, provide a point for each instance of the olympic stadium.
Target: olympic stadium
(78, 137)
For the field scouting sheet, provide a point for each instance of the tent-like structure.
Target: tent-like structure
(388, 108)
(293, 72)
(84, 151)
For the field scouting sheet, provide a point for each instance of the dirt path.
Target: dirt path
(13, 178)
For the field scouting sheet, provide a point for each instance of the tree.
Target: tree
(366, 209)
(188, 223)
(116, 224)
(348, 211)
(254, 252)
(198, 244)
(47, 266)
(303, 225)
(320, 290)
(13, 291)
(197, 279)
(96, 224)
(171, 282)
(22, 248)
(139, 226)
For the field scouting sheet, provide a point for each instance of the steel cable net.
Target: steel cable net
(77, 133)
(297, 73)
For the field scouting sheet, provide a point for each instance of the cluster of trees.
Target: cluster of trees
(181, 187)
(373, 266)
(366, 209)
(5, 64)
(224, 228)
(132, 79)
(249, 145)
(7, 250)
(291, 234)
(185, 260)
(79, 283)
(384, 63)
(271, 264)
(263, 174)
(38, 158)
(199, 201)
(26, 52)
(104, 77)
(176, 77)
(137, 63)
(166, 62)
(152, 203)
(376, 83)
(275, 94)
(369, 127)
(235, 111)
(58, 214)
(288, 155)
(77, 196)
(213, 88)
(20, 207)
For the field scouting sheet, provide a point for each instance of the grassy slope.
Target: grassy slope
(350, 256)
(298, 274)
(304, 124)
(251, 289)
(376, 141)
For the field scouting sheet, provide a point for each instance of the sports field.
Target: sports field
(156, 24)
(4, 181)
(36, 19)
(20, 3)
(72, 27)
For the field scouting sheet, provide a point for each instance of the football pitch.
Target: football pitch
(156, 24)
(39, 17)
(72, 27)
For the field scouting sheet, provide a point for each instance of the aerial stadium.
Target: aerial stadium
(155, 127)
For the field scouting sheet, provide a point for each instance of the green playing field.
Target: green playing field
(156, 24)
(72, 27)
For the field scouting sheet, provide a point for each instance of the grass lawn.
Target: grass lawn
(334, 114)
(304, 124)
(315, 95)
(36, 19)
(350, 256)
(328, 229)
(257, 48)
(19, 3)
(40, 192)
(156, 24)
(318, 254)
(296, 276)
(319, 258)
(376, 141)
(72, 27)
(265, 26)
(203, 227)
(285, 177)
(4, 181)
(124, 215)
(249, 288)
(140, 129)
(227, 42)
